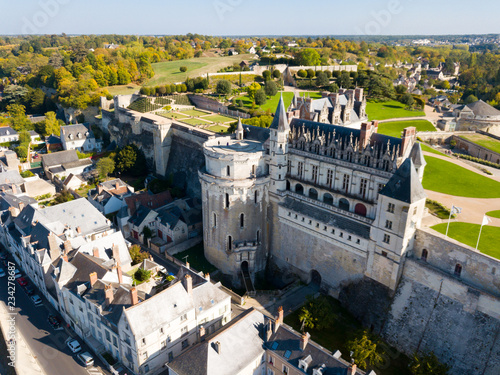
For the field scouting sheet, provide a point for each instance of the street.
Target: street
(47, 345)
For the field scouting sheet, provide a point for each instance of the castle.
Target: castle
(330, 203)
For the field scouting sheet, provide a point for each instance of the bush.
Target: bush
(223, 87)
(477, 160)
(142, 275)
(25, 174)
(183, 69)
(266, 74)
(271, 88)
(260, 97)
(321, 79)
(302, 73)
(311, 73)
(276, 74)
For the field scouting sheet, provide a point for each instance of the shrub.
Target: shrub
(142, 275)
(311, 73)
(271, 88)
(477, 160)
(25, 174)
(302, 73)
(266, 74)
(276, 74)
(223, 87)
(260, 97)
(183, 69)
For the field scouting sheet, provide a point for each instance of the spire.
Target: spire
(280, 121)
(239, 130)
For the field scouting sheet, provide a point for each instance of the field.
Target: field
(218, 118)
(395, 128)
(168, 71)
(448, 178)
(484, 141)
(431, 150)
(468, 233)
(388, 110)
(194, 112)
(195, 121)
(494, 214)
(218, 129)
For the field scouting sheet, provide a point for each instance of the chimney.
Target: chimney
(375, 126)
(364, 136)
(279, 318)
(95, 252)
(93, 278)
(119, 273)
(67, 247)
(117, 185)
(116, 253)
(304, 340)
(269, 329)
(108, 293)
(14, 189)
(65, 258)
(202, 332)
(133, 296)
(407, 139)
(207, 277)
(352, 369)
(78, 230)
(217, 346)
(100, 188)
(21, 206)
(187, 265)
(188, 284)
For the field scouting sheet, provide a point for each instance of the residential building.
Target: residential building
(109, 196)
(7, 135)
(79, 137)
(63, 163)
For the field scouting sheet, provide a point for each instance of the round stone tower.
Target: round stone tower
(234, 187)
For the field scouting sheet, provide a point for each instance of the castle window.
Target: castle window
(229, 243)
(329, 178)
(299, 189)
(242, 220)
(385, 165)
(300, 169)
(344, 204)
(289, 167)
(258, 236)
(227, 201)
(388, 224)
(358, 241)
(328, 199)
(362, 187)
(415, 210)
(214, 220)
(390, 208)
(313, 193)
(380, 187)
(387, 239)
(384, 254)
(493, 270)
(425, 253)
(256, 196)
(345, 183)
(333, 231)
(458, 270)
(341, 234)
(228, 171)
(349, 238)
(254, 169)
(315, 174)
(349, 156)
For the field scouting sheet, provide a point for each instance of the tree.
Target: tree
(306, 318)
(137, 254)
(344, 80)
(401, 89)
(321, 79)
(271, 88)
(427, 364)
(407, 99)
(471, 99)
(276, 73)
(24, 137)
(334, 87)
(51, 124)
(142, 275)
(302, 73)
(223, 87)
(125, 158)
(260, 97)
(266, 74)
(364, 351)
(183, 69)
(252, 89)
(147, 233)
(22, 150)
(308, 57)
(105, 166)
(310, 73)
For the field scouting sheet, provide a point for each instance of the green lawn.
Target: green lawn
(218, 129)
(218, 118)
(194, 113)
(123, 89)
(389, 109)
(272, 103)
(345, 328)
(168, 71)
(431, 150)
(174, 115)
(467, 233)
(196, 259)
(438, 209)
(484, 141)
(395, 128)
(494, 214)
(448, 178)
(195, 121)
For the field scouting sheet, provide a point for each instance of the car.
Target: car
(36, 300)
(73, 345)
(22, 281)
(2, 273)
(55, 322)
(29, 290)
(17, 274)
(86, 359)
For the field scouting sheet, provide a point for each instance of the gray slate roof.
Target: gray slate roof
(405, 185)
(417, 156)
(483, 109)
(280, 120)
(7, 130)
(59, 158)
(75, 130)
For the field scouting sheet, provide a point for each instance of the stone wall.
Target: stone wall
(477, 151)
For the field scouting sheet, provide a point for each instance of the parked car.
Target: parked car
(55, 322)
(22, 281)
(29, 290)
(86, 359)
(17, 274)
(36, 300)
(2, 273)
(73, 345)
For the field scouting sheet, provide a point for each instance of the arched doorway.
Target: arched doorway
(244, 266)
(287, 185)
(313, 193)
(328, 199)
(316, 277)
(299, 189)
(360, 209)
(344, 204)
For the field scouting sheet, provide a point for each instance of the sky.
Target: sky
(250, 17)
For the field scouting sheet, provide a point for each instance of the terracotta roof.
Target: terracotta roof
(146, 199)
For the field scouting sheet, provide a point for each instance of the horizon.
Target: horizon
(258, 18)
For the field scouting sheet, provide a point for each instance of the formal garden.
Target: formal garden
(207, 120)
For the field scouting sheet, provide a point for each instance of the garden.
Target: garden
(484, 141)
(395, 128)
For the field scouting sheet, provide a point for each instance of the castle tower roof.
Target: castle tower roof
(417, 156)
(280, 121)
(405, 185)
(239, 130)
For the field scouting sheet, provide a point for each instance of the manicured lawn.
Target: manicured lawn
(389, 109)
(195, 121)
(272, 103)
(468, 233)
(448, 178)
(123, 89)
(168, 71)
(218, 129)
(494, 214)
(174, 115)
(194, 113)
(431, 150)
(345, 328)
(196, 259)
(218, 118)
(395, 128)
(483, 140)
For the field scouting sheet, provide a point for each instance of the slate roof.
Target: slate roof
(105, 246)
(7, 130)
(10, 177)
(140, 214)
(280, 120)
(85, 265)
(59, 158)
(483, 109)
(417, 155)
(329, 218)
(75, 130)
(77, 164)
(121, 300)
(9, 200)
(404, 185)
(255, 133)
(53, 139)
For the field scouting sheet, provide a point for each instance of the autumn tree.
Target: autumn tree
(365, 352)
(105, 166)
(427, 364)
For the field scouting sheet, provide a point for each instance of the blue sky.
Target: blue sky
(249, 17)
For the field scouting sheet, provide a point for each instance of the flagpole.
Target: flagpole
(449, 218)
(480, 229)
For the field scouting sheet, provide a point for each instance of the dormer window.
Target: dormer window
(79, 135)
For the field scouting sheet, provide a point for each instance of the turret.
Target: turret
(280, 130)
(239, 130)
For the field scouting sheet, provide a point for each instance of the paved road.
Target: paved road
(47, 345)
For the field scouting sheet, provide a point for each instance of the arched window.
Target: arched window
(385, 165)
(344, 204)
(313, 193)
(425, 253)
(254, 169)
(229, 243)
(299, 189)
(360, 209)
(328, 199)
(458, 270)
(228, 171)
(242, 220)
(227, 201)
(287, 185)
